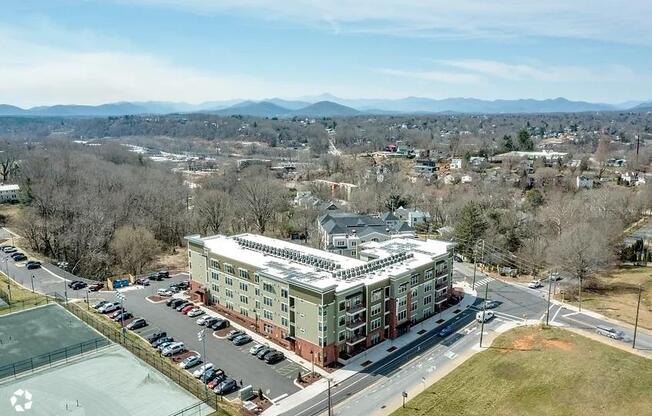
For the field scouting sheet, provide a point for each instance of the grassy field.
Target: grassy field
(542, 372)
(20, 298)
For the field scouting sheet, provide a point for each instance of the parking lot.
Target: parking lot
(236, 361)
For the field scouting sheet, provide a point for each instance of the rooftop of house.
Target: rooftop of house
(9, 188)
(322, 270)
(349, 223)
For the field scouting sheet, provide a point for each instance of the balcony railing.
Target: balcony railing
(355, 308)
(355, 339)
(355, 323)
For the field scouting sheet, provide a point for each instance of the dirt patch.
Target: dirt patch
(309, 378)
(182, 356)
(262, 404)
(222, 332)
(156, 298)
(525, 343)
(558, 344)
(176, 260)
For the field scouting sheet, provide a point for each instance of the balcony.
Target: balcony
(355, 339)
(353, 324)
(355, 309)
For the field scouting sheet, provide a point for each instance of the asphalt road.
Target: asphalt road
(237, 362)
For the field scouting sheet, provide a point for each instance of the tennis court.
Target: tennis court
(110, 382)
(40, 331)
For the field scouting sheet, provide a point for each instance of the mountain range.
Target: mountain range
(325, 105)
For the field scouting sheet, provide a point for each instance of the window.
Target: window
(244, 287)
(244, 274)
(427, 300)
(342, 306)
(284, 307)
(402, 315)
(342, 320)
(415, 280)
(244, 311)
(215, 288)
(402, 288)
(415, 292)
(341, 336)
(375, 324)
(268, 314)
(427, 287)
(228, 293)
(268, 328)
(415, 305)
(256, 278)
(341, 243)
(215, 276)
(323, 311)
(375, 309)
(257, 304)
(228, 280)
(376, 295)
(268, 287)
(215, 264)
(354, 243)
(284, 321)
(428, 274)
(267, 301)
(284, 293)
(257, 291)
(401, 302)
(228, 268)
(322, 327)
(244, 299)
(229, 305)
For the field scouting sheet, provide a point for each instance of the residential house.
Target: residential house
(455, 163)
(9, 193)
(412, 216)
(584, 182)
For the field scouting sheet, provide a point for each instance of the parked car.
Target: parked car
(610, 332)
(195, 312)
(488, 304)
(78, 285)
(183, 305)
(137, 324)
(19, 257)
(446, 331)
(151, 338)
(535, 284)
(174, 302)
(274, 357)
(164, 339)
(187, 308)
(208, 376)
(201, 370)
(123, 316)
(108, 307)
(190, 362)
(115, 313)
(484, 316)
(220, 324)
(9, 249)
(255, 348)
(241, 340)
(32, 264)
(164, 345)
(226, 386)
(234, 334)
(164, 292)
(163, 274)
(210, 320)
(143, 281)
(154, 276)
(98, 304)
(174, 289)
(96, 286)
(219, 377)
(263, 352)
(202, 320)
(183, 285)
(172, 349)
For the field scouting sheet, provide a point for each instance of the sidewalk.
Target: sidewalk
(374, 354)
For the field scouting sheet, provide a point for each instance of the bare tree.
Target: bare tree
(134, 248)
(260, 198)
(602, 154)
(212, 208)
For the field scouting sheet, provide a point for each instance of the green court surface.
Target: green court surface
(110, 382)
(40, 335)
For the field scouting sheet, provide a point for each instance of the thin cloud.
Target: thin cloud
(436, 76)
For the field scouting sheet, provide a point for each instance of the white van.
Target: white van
(488, 315)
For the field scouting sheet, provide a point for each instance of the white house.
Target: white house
(466, 179)
(9, 193)
(455, 163)
(584, 182)
(412, 216)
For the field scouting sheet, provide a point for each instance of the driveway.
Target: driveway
(275, 380)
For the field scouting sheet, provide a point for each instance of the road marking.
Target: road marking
(508, 316)
(450, 355)
(556, 313)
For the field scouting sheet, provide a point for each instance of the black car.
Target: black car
(263, 352)
(170, 301)
(151, 338)
(163, 274)
(78, 285)
(208, 376)
(210, 322)
(71, 283)
(95, 287)
(154, 276)
(220, 324)
(183, 285)
(31, 265)
(274, 357)
(137, 324)
(161, 340)
(122, 316)
(18, 257)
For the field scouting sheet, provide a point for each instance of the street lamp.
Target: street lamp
(201, 338)
(32, 283)
(121, 298)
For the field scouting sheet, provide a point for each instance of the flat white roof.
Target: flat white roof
(9, 188)
(322, 269)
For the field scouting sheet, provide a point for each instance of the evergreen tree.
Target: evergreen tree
(470, 227)
(524, 140)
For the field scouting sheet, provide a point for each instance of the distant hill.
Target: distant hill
(289, 104)
(10, 110)
(643, 107)
(250, 108)
(326, 109)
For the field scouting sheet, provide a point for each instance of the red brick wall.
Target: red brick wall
(323, 355)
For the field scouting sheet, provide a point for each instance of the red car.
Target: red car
(217, 380)
(187, 309)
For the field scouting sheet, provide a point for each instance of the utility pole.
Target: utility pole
(32, 283)
(549, 291)
(121, 297)
(638, 307)
(484, 312)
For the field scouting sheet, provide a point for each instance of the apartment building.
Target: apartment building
(9, 193)
(344, 232)
(323, 306)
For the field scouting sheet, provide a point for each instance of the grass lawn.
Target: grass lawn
(543, 372)
(20, 298)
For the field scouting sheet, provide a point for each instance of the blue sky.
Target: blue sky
(93, 51)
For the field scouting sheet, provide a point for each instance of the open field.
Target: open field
(20, 298)
(615, 295)
(543, 372)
